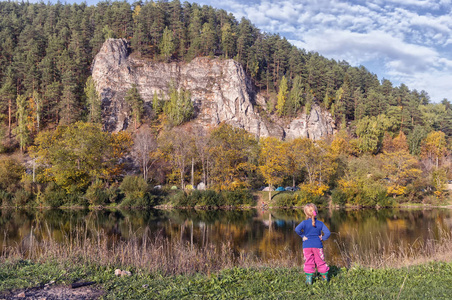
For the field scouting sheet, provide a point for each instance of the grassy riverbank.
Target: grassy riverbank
(427, 281)
(165, 269)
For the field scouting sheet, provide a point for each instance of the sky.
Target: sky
(404, 41)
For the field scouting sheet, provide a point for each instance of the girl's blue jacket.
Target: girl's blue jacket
(305, 229)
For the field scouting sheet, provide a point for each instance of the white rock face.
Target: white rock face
(314, 126)
(220, 90)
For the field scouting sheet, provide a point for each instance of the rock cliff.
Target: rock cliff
(220, 90)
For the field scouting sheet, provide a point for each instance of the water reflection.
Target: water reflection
(265, 234)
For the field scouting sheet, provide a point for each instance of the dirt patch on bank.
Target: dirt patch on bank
(54, 293)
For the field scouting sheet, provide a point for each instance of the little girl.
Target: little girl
(311, 233)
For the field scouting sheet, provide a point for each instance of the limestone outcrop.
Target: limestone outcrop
(220, 90)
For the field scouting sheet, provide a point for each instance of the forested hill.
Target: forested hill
(46, 52)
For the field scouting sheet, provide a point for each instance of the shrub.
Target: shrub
(238, 197)
(179, 199)
(146, 201)
(11, 172)
(134, 188)
(338, 197)
(54, 196)
(113, 194)
(96, 194)
(372, 193)
(286, 199)
(206, 198)
(77, 198)
(5, 198)
(22, 197)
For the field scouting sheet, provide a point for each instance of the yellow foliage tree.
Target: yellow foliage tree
(434, 147)
(313, 189)
(76, 154)
(272, 161)
(232, 155)
(401, 169)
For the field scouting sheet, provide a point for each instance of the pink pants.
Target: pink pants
(314, 257)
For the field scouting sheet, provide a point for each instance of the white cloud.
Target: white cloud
(410, 39)
(419, 3)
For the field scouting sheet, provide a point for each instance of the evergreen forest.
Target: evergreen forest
(392, 143)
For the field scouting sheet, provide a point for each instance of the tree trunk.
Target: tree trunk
(9, 118)
(192, 172)
(182, 179)
(145, 175)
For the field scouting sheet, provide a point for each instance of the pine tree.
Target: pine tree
(167, 44)
(135, 102)
(93, 101)
(296, 99)
(227, 40)
(22, 132)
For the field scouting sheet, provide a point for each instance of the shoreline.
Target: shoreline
(230, 207)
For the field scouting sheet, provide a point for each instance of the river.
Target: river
(364, 233)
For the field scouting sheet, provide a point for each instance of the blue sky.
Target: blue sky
(405, 41)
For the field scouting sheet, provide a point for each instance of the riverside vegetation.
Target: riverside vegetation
(80, 165)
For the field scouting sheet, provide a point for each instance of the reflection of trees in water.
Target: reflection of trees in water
(210, 216)
(266, 235)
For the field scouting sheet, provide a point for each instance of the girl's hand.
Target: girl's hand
(320, 237)
(305, 238)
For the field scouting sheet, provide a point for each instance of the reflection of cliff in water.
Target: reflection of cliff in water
(264, 234)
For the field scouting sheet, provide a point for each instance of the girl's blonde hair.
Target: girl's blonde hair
(310, 210)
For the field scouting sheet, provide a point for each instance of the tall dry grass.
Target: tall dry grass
(148, 251)
(153, 252)
(383, 251)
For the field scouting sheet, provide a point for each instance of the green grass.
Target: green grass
(428, 281)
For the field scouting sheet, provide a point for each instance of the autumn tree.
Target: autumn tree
(294, 161)
(202, 149)
(11, 173)
(401, 169)
(233, 153)
(272, 161)
(35, 112)
(114, 165)
(175, 146)
(75, 155)
(434, 147)
(318, 164)
(144, 148)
